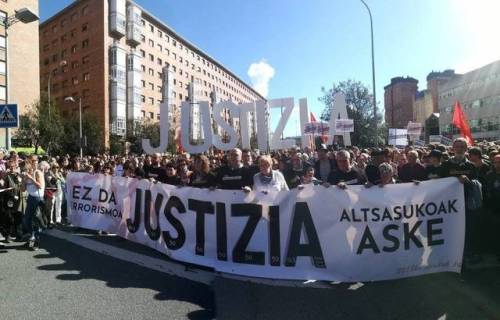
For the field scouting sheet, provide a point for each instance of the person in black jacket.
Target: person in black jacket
(465, 171)
(233, 176)
(345, 174)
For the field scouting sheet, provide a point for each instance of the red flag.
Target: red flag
(460, 121)
(313, 118)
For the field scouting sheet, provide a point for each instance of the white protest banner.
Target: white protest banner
(440, 139)
(344, 125)
(434, 139)
(318, 233)
(414, 130)
(420, 143)
(398, 137)
(317, 128)
(446, 141)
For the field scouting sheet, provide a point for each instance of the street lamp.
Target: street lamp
(72, 99)
(23, 15)
(373, 75)
(61, 64)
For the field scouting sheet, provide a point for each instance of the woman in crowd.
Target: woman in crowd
(34, 183)
(268, 180)
(202, 177)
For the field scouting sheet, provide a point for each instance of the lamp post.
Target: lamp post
(373, 75)
(23, 15)
(72, 99)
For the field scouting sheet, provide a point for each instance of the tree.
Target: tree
(92, 132)
(41, 127)
(360, 109)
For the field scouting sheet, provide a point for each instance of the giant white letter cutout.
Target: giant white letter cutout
(304, 118)
(205, 124)
(338, 111)
(245, 110)
(262, 111)
(164, 127)
(276, 141)
(234, 111)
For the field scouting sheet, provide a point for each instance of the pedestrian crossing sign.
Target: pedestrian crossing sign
(8, 116)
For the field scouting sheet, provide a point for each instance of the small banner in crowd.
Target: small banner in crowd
(317, 128)
(344, 125)
(440, 140)
(414, 130)
(398, 137)
(318, 233)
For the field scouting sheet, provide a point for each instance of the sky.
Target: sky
(293, 48)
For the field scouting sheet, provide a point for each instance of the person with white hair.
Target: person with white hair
(268, 180)
(345, 174)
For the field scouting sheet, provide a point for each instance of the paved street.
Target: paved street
(64, 280)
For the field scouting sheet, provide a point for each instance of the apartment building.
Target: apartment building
(478, 91)
(19, 69)
(124, 62)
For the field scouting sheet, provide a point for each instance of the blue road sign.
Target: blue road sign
(9, 116)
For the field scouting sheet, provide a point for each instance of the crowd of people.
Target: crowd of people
(33, 193)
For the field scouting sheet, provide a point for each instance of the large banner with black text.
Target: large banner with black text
(316, 233)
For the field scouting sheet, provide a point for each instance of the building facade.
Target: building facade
(423, 106)
(478, 92)
(124, 62)
(19, 69)
(399, 98)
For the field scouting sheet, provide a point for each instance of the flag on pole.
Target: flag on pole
(460, 121)
(313, 118)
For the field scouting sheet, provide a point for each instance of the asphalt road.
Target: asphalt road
(66, 281)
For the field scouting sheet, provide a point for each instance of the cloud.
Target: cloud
(260, 74)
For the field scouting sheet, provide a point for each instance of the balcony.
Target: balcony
(117, 18)
(134, 26)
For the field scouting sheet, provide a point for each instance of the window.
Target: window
(151, 57)
(74, 16)
(143, 38)
(85, 60)
(85, 10)
(75, 64)
(2, 44)
(158, 60)
(3, 93)
(151, 86)
(160, 34)
(160, 47)
(72, 33)
(143, 113)
(74, 48)
(174, 43)
(2, 67)
(85, 43)
(143, 67)
(86, 76)
(143, 83)
(143, 98)
(151, 28)
(74, 80)
(85, 27)
(159, 75)
(151, 72)
(64, 38)
(143, 22)
(143, 53)
(158, 88)
(151, 115)
(151, 101)
(158, 116)
(151, 43)
(54, 57)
